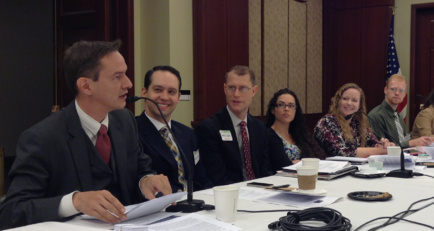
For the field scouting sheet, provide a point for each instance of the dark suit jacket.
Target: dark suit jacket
(276, 151)
(162, 158)
(53, 159)
(222, 159)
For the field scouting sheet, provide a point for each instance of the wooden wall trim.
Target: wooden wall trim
(124, 30)
(262, 58)
(102, 20)
(414, 100)
(355, 47)
(217, 46)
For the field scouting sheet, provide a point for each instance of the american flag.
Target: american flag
(394, 68)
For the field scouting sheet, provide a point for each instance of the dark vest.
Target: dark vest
(104, 176)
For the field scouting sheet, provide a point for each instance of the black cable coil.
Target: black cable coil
(334, 221)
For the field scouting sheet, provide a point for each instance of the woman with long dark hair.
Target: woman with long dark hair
(288, 137)
(424, 122)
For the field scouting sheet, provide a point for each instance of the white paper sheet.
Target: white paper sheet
(148, 207)
(325, 166)
(350, 159)
(185, 223)
(247, 193)
(300, 200)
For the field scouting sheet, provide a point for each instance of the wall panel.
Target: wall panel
(255, 54)
(221, 40)
(275, 47)
(314, 54)
(297, 51)
(292, 50)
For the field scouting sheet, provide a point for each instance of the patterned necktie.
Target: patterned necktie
(246, 149)
(399, 128)
(165, 133)
(103, 144)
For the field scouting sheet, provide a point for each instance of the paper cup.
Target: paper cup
(393, 151)
(310, 162)
(306, 176)
(226, 202)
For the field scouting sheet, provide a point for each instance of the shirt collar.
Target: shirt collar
(235, 120)
(387, 106)
(158, 125)
(88, 123)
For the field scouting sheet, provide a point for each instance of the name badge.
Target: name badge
(226, 135)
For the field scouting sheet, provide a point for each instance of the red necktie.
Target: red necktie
(103, 145)
(247, 155)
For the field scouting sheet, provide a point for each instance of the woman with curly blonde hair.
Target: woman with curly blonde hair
(343, 132)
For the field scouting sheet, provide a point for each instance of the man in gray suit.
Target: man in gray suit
(87, 157)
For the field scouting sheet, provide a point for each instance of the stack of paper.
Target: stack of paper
(148, 207)
(352, 160)
(327, 169)
(325, 166)
(184, 223)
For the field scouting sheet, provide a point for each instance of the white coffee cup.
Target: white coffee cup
(314, 162)
(393, 151)
(307, 176)
(226, 202)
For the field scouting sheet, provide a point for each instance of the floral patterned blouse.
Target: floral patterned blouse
(329, 135)
(291, 150)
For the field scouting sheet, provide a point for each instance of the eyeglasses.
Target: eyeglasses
(242, 89)
(394, 90)
(283, 105)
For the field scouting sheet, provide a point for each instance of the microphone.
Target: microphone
(185, 206)
(402, 172)
(350, 115)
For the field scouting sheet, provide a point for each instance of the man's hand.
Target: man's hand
(384, 143)
(153, 184)
(100, 204)
(421, 141)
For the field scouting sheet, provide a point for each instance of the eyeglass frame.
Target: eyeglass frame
(242, 89)
(394, 90)
(282, 105)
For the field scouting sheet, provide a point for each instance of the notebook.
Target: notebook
(327, 169)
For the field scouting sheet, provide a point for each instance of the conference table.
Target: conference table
(404, 192)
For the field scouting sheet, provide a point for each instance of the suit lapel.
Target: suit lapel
(253, 136)
(78, 147)
(155, 141)
(233, 145)
(117, 141)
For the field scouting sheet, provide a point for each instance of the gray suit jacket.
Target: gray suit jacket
(53, 159)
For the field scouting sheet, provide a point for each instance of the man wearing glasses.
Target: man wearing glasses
(387, 118)
(232, 142)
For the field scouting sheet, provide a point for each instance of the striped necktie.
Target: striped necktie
(165, 133)
(246, 149)
(399, 128)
